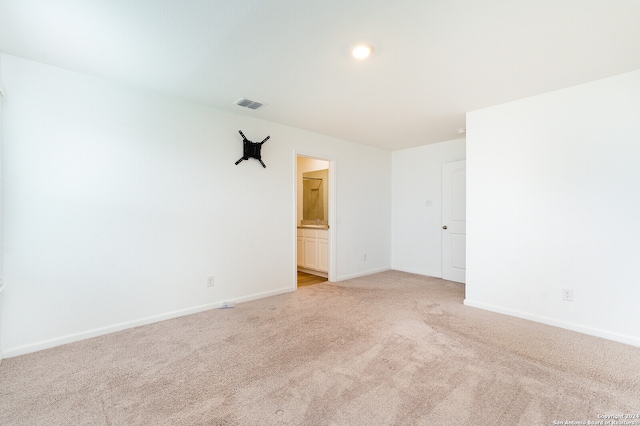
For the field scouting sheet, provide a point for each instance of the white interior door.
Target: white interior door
(454, 221)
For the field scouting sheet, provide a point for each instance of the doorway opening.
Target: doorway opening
(314, 183)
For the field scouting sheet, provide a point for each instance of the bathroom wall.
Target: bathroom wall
(305, 165)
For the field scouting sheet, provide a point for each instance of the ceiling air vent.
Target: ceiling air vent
(248, 103)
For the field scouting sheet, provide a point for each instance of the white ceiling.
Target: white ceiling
(434, 60)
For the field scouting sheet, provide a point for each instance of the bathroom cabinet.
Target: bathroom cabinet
(313, 249)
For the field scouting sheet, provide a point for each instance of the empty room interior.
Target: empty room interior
(455, 182)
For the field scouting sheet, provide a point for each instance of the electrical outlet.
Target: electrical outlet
(210, 281)
(567, 294)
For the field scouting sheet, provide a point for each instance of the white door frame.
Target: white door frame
(331, 209)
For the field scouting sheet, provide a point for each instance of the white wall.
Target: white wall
(2, 94)
(416, 227)
(118, 204)
(552, 203)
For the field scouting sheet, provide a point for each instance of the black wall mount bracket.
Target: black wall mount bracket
(252, 149)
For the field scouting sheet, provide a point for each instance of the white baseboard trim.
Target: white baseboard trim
(70, 338)
(617, 337)
(361, 274)
(413, 271)
(264, 294)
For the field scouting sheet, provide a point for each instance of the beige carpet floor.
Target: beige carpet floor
(388, 349)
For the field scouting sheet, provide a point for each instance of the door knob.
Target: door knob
(444, 227)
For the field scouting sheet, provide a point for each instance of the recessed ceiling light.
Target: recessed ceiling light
(361, 51)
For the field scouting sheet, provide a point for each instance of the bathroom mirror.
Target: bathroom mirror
(314, 195)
